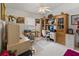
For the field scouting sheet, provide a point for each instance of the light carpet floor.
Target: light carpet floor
(48, 48)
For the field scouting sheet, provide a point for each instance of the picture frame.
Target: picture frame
(20, 20)
(74, 19)
(37, 20)
(70, 31)
(11, 18)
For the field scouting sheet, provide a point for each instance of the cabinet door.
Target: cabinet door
(60, 38)
(70, 40)
(13, 33)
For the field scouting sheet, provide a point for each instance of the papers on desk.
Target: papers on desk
(24, 37)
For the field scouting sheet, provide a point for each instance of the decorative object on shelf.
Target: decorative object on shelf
(74, 19)
(50, 15)
(37, 20)
(20, 20)
(51, 19)
(62, 13)
(70, 31)
(12, 19)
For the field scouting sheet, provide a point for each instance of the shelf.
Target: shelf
(46, 24)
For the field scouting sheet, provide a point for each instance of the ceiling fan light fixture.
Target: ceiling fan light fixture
(44, 9)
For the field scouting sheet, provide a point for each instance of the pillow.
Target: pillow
(70, 52)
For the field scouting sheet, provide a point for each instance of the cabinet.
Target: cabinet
(12, 33)
(38, 27)
(44, 23)
(70, 40)
(61, 27)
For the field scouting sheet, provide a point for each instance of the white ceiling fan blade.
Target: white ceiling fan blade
(43, 10)
(48, 10)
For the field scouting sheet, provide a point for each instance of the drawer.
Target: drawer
(60, 38)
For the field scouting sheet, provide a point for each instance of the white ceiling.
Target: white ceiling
(32, 7)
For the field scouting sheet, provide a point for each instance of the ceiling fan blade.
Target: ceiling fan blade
(48, 10)
(43, 10)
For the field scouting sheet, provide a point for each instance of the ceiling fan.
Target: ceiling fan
(44, 9)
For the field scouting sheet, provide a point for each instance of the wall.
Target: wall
(71, 9)
(29, 18)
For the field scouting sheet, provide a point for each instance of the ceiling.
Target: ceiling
(32, 7)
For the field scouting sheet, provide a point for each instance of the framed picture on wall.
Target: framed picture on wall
(37, 20)
(70, 31)
(74, 19)
(20, 20)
